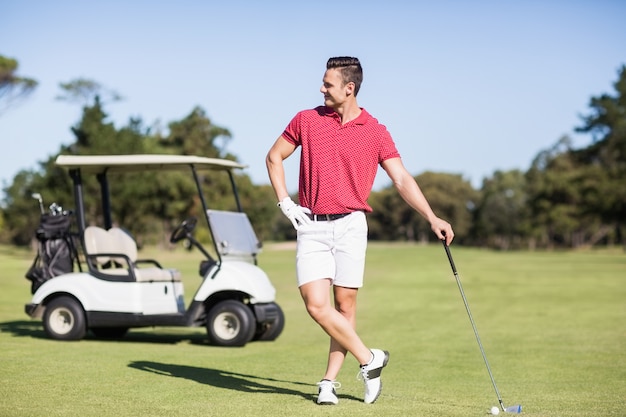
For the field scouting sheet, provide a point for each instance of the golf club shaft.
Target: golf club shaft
(469, 314)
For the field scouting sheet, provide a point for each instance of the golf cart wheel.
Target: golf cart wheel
(230, 323)
(270, 331)
(109, 332)
(64, 319)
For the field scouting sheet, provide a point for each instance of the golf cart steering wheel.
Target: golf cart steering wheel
(183, 230)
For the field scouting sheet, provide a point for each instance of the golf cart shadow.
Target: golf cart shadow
(26, 328)
(227, 380)
(162, 337)
(23, 328)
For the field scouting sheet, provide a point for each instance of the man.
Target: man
(342, 146)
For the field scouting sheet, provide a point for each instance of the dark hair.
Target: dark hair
(350, 69)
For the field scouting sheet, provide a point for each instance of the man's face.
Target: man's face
(335, 92)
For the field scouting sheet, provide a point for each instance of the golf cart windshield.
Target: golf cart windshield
(233, 233)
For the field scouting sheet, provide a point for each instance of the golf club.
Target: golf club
(510, 409)
(37, 196)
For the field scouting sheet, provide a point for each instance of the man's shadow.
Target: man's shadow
(226, 380)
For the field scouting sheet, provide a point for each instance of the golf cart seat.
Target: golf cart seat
(97, 242)
(127, 245)
(114, 253)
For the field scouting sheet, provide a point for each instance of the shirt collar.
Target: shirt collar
(360, 120)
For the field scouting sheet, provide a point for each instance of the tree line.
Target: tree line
(567, 198)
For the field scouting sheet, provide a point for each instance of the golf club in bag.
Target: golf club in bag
(511, 409)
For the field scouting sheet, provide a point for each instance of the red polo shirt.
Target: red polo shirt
(338, 162)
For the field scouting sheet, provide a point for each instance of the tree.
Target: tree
(197, 135)
(84, 92)
(450, 196)
(578, 196)
(13, 87)
(21, 212)
(562, 196)
(607, 125)
(500, 217)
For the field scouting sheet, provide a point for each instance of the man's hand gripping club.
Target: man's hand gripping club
(297, 214)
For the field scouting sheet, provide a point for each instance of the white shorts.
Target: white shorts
(333, 249)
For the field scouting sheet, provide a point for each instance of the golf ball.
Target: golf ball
(495, 411)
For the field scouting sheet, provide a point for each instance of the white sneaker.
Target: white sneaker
(370, 374)
(327, 394)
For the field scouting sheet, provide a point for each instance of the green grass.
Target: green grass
(553, 325)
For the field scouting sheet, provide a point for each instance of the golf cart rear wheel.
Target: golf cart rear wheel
(230, 323)
(64, 319)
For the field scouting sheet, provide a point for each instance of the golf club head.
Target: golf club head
(515, 409)
(37, 196)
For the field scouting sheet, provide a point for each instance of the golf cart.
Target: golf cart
(113, 291)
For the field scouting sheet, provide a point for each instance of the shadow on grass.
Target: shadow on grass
(23, 328)
(159, 336)
(222, 379)
(228, 380)
(34, 329)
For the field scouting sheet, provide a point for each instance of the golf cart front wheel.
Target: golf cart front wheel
(64, 319)
(230, 323)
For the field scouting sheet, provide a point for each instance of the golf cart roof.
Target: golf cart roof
(126, 163)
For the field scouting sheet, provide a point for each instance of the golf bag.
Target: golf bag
(56, 251)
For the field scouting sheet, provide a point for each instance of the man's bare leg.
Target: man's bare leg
(345, 303)
(316, 296)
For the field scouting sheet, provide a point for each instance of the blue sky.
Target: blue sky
(463, 87)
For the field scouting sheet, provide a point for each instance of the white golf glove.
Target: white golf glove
(297, 214)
